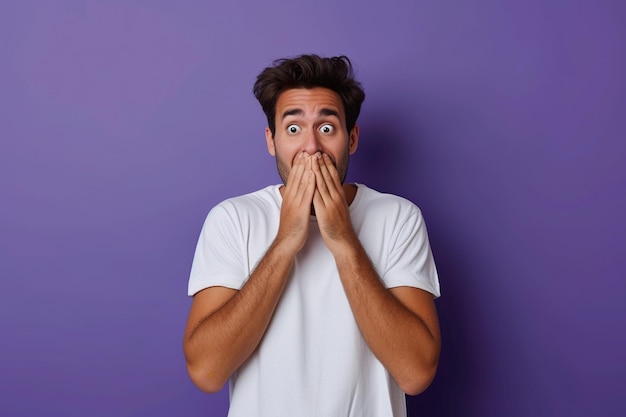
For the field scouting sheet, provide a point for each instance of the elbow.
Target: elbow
(416, 385)
(201, 372)
(205, 380)
(417, 381)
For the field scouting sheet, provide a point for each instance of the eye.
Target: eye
(327, 129)
(293, 129)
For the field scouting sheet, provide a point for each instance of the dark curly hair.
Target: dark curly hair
(309, 71)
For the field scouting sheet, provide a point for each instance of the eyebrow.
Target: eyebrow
(294, 112)
(300, 112)
(329, 112)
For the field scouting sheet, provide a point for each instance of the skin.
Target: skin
(400, 325)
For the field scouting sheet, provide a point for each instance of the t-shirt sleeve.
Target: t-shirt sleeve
(410, 261)
(218, 259)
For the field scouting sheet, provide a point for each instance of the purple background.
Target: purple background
(123, 123)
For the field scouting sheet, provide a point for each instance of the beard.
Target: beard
(342, 167)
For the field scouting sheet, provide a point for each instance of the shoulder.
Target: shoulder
(235, 215)
(379, 203)
(266, 199)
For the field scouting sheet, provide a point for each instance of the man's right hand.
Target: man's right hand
(296, 207)
(226, 325)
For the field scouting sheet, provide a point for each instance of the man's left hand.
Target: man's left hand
(331, 207)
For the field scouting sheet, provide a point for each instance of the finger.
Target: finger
(309, 190)
(310, 177)
(322, 187)
(332, 169)
(304, 192)
(318, 202)
(330, 176)
(334, 173)
(295, 175)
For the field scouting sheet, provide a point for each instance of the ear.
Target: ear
(354, 140)
(269, 140)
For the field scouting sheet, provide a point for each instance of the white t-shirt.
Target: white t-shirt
(312, 360)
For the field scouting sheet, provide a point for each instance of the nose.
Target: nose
(311, 143)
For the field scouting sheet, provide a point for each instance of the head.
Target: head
(318, 88)
(309, 71)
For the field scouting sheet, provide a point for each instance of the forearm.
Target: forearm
(222, 340)
(399, 337)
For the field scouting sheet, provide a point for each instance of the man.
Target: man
(313, 297)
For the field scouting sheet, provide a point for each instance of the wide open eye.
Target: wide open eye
(293, 129)
(327, 129)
